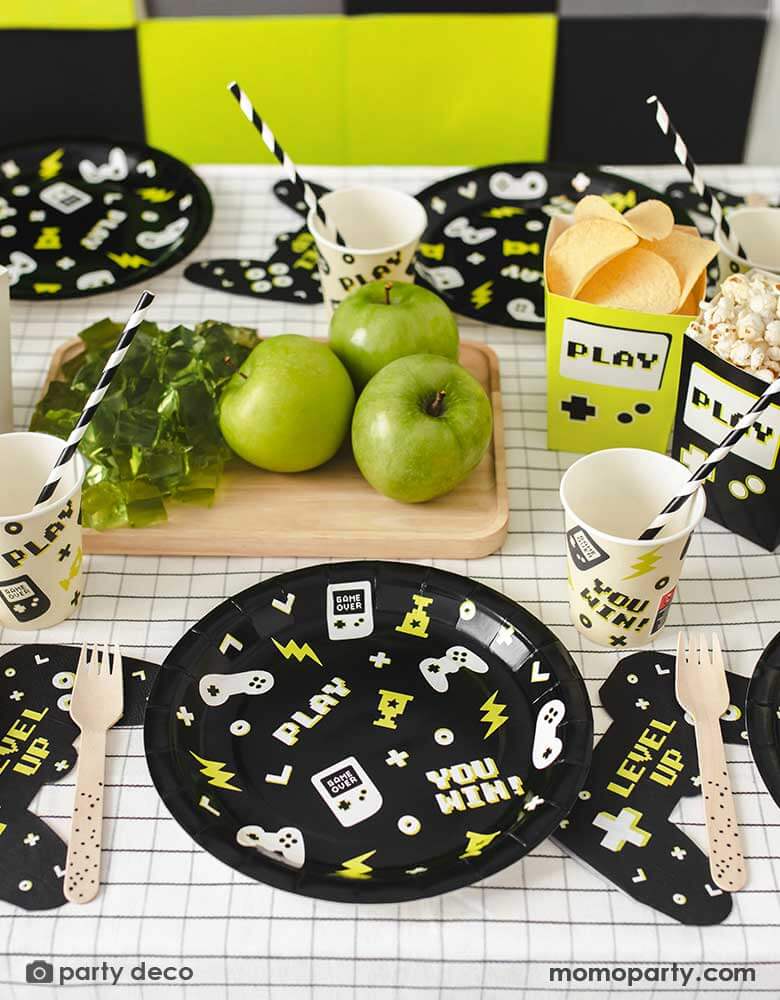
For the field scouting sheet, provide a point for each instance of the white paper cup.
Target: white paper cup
(757, 228)
(40, 551)
(382, 228)
(620, 588)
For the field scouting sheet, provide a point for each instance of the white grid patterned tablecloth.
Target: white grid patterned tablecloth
(167, 901)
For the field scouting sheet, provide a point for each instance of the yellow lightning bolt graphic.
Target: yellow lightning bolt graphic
(482, 294)
(355, 867)
(621, 201)
(155, 194)
(493, 715)
(216, 772)
(644, 563)
(126, 260)
(503, 212)
(299, 652)
(477, 842)
(73, 572)
(50, 165)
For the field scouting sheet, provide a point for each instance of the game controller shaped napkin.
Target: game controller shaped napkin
(642, 766)
(289, 275)
(36, 747)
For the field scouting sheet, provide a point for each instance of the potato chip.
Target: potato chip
(692, 304)
(581, 250)
(593, 206)
(689, 255)
(638, 279)
(690, 307)
(650, 220)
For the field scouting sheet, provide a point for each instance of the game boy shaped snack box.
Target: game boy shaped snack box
(612, 374)
(730, 356)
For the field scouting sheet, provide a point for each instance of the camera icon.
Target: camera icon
(40, 971)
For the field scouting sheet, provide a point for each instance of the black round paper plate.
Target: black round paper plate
(483, 248)
(83, 216)
(369, 731)
(763, 717)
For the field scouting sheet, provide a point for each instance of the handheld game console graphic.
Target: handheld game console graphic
(547, 746)
(348, 791)
(24, 598)
(215, 689)
(349, 610)
(285, 845)
(436, 669)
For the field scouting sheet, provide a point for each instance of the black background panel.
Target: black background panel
(704, 70)
(69, 84)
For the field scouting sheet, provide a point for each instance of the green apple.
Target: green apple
(288, 406)
(383, 321)
(420, 426)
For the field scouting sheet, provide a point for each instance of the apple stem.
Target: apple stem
(436, 405)
(388, 287)
(231, 364)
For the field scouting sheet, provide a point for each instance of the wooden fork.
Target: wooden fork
(702, 690)
(96, 704)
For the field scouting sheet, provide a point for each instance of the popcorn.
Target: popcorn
(772, 332)
(742, 324)
(740, 355)
(757, 358)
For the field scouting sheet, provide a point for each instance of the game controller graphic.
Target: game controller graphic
(155, 240)
(348, 791)
(547, 746)
(215, 689)
(642, 766)
(115, 169)
(286, 845)
(349, 610)
(437, 669)
(532, 184)
(24, 598)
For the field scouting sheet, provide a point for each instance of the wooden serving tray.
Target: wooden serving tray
(330, 511)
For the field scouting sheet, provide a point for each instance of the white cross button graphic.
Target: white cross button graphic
(185, 716)
(380, 659)
(397, 758)
(621, 829)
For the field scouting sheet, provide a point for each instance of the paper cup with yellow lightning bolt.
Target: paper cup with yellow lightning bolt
(620, 588)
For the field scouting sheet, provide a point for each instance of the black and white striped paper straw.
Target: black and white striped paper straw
(284, 159)
(702, 189)
(764, 401)
(96, 397)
